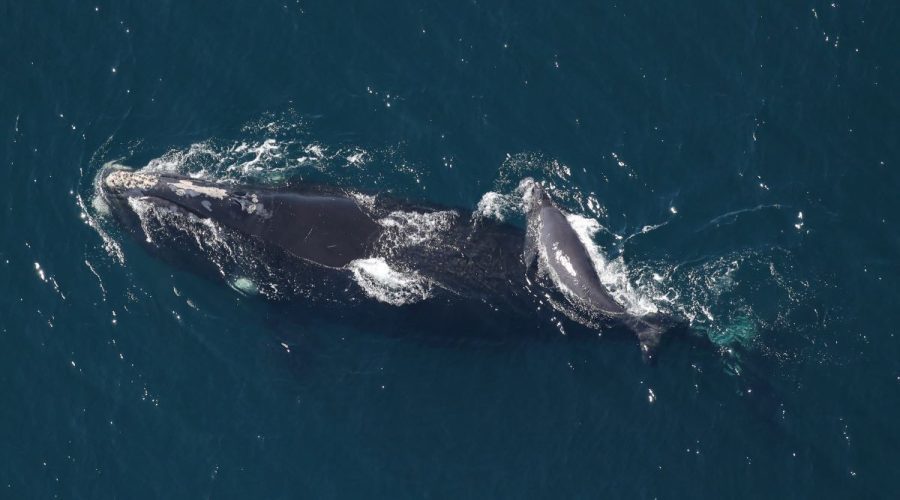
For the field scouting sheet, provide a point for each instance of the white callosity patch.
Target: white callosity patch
(386, 284)
(123, 179)
(184, 187)
(250, 204)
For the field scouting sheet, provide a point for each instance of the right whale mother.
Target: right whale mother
(554, 251)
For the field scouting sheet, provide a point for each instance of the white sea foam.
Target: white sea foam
(356, 157)
(262, 153)
(386, 284)
(403, 229)
(279, 146)
(493, 205)
(525, 192)
(101, 208)
(195, 157)
(613, 274)
(365, 201)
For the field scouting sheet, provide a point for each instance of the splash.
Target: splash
(280, 147)
(95, 218)
(405, 229)
(386, 284)
(613, 274)
(497, 206)
(555, 176)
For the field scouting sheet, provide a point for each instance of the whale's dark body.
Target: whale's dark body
(324, 228)
(477, 265)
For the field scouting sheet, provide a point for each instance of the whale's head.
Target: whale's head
(118, 183)
(135, 196)
(120, 186)
(167, 210)
(534, 197)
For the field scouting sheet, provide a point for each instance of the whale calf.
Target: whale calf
(395, 251)
(553, 247)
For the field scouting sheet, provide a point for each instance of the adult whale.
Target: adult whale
(395, 251)
(398, 252)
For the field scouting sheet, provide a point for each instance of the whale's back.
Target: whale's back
(571, 264)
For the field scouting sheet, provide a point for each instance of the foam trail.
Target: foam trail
(111, 246)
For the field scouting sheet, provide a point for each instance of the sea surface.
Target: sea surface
(736, 164)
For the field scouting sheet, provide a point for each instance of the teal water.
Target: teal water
(740, 163)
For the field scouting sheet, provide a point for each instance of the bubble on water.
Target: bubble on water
(245, 286)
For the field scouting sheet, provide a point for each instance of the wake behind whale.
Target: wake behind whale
(354, 247)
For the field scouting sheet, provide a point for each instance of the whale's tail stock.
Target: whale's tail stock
(649, 330)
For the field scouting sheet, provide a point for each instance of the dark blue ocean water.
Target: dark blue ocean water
(741, 159)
